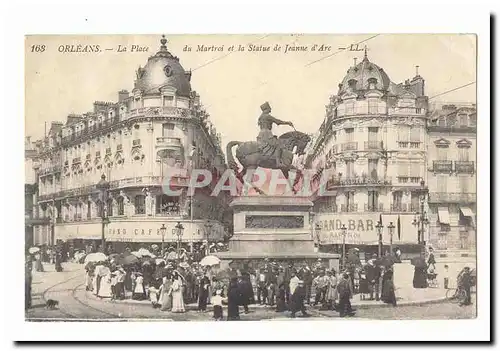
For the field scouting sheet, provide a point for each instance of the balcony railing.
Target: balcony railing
(119, 147)
(136, 142)
(464, 167)
(442, 166)
(452, 198)
(349, 146)
(409, 144)
(359, 181)
(348, 207)
(374, 207)
(409, 179)
(374, 145)
(168, 141)
(400, 207)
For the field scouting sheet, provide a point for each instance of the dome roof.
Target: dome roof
(163, 70)
(361, 75)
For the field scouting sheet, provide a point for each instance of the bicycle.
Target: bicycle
(456, 294)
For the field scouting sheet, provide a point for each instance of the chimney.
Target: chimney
(123, 95)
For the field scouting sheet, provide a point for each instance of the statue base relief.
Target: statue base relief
(274, 227)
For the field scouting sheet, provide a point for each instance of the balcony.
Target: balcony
(374, 207)
(359, 181)
(466, 167)
(458, 198)
(409, 180)
(167, 142)
(136, 143)
(409, 144)
(76, 160)
(119, 147)
(374, 145)
(349, 146)
(349, 208)
(398, 207)
(442, 166)
(108, 151)
(403, 111)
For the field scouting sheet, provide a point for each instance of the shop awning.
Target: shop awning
(467, 212)
(444, 215)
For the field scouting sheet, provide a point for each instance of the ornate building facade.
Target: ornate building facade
(158, 131)
(452, 177)
(373, 140)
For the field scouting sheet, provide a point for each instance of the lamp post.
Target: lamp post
(379, 227)
(163, 231)
(103, 187)
(344, 234)
(421, 220)
(317, 229)
(391, 234)
(179, 230)
(208, 231)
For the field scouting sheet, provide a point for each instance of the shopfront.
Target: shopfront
(134, 233)
(361, 232)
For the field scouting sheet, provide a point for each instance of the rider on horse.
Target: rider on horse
(270, 145)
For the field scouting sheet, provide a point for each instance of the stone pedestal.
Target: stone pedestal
(276, 227)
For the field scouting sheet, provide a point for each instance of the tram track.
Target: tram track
(68, 297)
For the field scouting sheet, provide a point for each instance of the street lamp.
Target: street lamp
(163, 230)
(344, 234)
(379, 227)
(421, 221)
(178, 230)
(208, 228)
(316, 239)
(391, 234)
(103, 187)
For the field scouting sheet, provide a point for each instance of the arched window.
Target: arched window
(140, 204)
(110, 207)
(167, 205)
(121, 209)
(89, 209)
(99, 207)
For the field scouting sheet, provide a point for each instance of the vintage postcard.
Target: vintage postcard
(250, 177)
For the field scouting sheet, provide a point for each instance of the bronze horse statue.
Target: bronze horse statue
(251, 156)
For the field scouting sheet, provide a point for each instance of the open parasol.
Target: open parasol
(95, 257)
(210, 261)
(127, 260)
(33, 250)
(136, 254)
(145, 253)
(172, 256)
(160, 260)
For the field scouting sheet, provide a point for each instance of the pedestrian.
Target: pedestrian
(38, 263)
(153, 296)
(27, 282)
(203, 294)
(294, 282)
(446, 276)
(344, 288)
(166, 293)
(364, 288)
(388, 291)
(233, 300)
(114, 282)
(466, 284)
(431, 261)
(321, 284)
(139, 292)
(372, 272)
(307, 277)
(178, 305)
(297, 300)
(261, 288)
(217, 303)
(331, 292)
(281, 298)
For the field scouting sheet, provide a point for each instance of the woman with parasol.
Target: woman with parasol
(166, 293)
(177, 295)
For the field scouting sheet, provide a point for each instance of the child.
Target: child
(114, 281)
(217, 303)
(446, 276)
(153, 296)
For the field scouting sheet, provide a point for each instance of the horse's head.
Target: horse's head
(295, 138)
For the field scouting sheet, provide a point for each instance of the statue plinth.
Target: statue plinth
(276, 227)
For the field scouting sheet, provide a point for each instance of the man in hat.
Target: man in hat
(270, 143)
(297, 300)
(372, 272)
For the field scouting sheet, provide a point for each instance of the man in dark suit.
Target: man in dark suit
(373, 277)
(297, 300)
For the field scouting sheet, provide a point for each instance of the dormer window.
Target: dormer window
(372, 83)
(352, 83)
(168, 100)
(463, 120)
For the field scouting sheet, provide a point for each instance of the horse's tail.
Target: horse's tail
(231, 162)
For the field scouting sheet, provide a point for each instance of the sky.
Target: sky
(233, 85)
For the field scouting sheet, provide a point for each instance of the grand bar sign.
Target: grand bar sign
(361, 228)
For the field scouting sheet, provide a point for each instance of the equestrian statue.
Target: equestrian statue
(268, 151)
